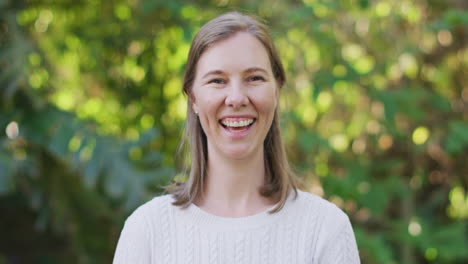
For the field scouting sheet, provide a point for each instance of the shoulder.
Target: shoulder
(322, 209)
(137, 239)
(151, 209)
(329, 227)
(332, 233)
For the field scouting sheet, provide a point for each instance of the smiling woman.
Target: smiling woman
(240, 203)
(235, 96)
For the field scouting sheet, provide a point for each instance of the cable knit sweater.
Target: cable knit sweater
(307, 230)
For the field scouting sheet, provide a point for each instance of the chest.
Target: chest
(279, 243)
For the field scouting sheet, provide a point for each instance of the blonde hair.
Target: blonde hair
(279, 178)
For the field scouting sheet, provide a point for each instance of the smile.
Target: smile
(237, 124)
(240, 123)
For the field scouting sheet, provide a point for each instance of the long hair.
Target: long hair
(279, 178)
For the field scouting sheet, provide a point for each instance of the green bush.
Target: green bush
(374, 118)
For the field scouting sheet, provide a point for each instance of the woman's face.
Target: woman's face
(235, 95)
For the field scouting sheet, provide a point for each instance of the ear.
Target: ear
(277, 94)
(195, 108)
(193, 103)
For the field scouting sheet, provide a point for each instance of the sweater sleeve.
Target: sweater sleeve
(134, 244)
(341, 247)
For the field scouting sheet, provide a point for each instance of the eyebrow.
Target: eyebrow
(254, 69)
(214, 72)
(220, 72)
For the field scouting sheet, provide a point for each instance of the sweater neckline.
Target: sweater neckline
(203, 219)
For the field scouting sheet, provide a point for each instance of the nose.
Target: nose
(237, 96)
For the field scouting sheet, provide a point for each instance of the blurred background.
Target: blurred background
(374, 116)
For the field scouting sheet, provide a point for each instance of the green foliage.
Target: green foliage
(457, 139)
(374, 118)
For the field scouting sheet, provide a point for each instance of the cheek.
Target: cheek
(266, 102)
(208, 107)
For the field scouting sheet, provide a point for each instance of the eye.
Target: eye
(217, 81)
(256, 78)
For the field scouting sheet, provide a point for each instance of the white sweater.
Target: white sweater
(307, 230)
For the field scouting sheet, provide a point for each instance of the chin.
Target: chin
(240, 153)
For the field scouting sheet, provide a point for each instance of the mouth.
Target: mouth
(237, 124)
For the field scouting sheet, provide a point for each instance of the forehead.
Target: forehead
(236, 53)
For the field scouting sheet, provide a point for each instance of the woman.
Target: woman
(240, 203)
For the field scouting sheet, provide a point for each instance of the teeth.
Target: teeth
(241, 123)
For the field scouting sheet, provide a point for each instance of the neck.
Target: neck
(232, 186)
